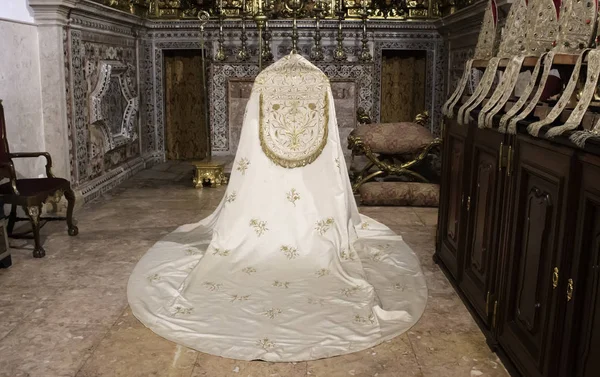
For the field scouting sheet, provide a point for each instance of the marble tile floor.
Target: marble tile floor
(67, 314)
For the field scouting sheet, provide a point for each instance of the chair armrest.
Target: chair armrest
(13, 176)
(36, 154)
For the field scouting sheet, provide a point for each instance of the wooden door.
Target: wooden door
(452, 200)
(529, 304)
(581, 352)
(186, 132)
(484, 208)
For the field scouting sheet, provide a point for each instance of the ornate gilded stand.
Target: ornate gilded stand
(211, 170)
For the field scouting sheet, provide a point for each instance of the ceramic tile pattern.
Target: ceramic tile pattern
(67, 314)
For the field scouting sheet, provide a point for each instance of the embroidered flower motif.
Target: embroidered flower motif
(292, 196)
(249, 270)
(322, 272)
(400, 287)
(212, 286)
(347, 255)
(265, 344)
(289, 251)
(364, 225)
(281, 284)
(221, 252)
(182, 310)
(272, 313)
(154, 278)
(230, 198)
(243, 165)
(260, 227)
(348, 292)
(316, 301)
(324, 225)
(235, 298)
(190, 251)
(364, 320)
(337, 163)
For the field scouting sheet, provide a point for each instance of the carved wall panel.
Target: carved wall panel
(102, 96)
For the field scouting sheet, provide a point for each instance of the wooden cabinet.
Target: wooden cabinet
(523, 247)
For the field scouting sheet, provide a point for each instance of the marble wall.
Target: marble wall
(20, 91)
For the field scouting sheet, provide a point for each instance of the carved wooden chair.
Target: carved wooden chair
(393, 149)
(31, 194)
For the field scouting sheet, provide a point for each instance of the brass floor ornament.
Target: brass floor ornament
(209, 171)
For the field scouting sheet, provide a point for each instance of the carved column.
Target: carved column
(51, 17)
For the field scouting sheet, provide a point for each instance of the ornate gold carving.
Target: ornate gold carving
(294, 111)
(209, 171)
(279, 9)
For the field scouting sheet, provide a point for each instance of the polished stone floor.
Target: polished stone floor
(67, 314)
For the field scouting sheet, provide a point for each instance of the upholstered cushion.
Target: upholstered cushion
(394, 138)
(400, 194)
(35, 186)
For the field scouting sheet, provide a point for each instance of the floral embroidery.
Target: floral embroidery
(235, 298)
(249, 270)
(290, 252)
(243, 165)
(316, 301)
(272, 313)
(400, 287)
(265, 344)
(260, 227)
(182, 310)
(324, 225)
(337, 163)
(212, 286)
(221, 252)
(347, 255)
(350, 291)
(154, 278)
(281, 284)
(292, 196)
(322, 272)
(364, 225)
(190, 251)
(359, 319)
(231, 197)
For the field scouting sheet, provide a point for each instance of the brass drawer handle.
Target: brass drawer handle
(555, 278)
(569, 289)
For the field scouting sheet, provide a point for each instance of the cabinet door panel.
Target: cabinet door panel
(480, 257)
(452, 199)
(530, 298)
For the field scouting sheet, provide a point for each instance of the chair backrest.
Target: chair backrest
(4, 151)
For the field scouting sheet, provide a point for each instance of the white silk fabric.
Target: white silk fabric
(285, 269)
